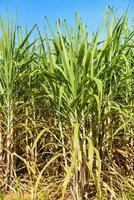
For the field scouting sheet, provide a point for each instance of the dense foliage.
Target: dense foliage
(67, 111)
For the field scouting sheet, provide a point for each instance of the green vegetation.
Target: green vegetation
(67, 111)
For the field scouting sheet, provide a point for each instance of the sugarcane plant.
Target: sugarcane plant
(66, 109)
(14, 68)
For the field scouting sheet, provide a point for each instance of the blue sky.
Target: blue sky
(33, 11)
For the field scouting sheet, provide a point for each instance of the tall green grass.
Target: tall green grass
(66, 105)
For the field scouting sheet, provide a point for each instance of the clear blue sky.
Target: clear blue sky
(91, 11)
